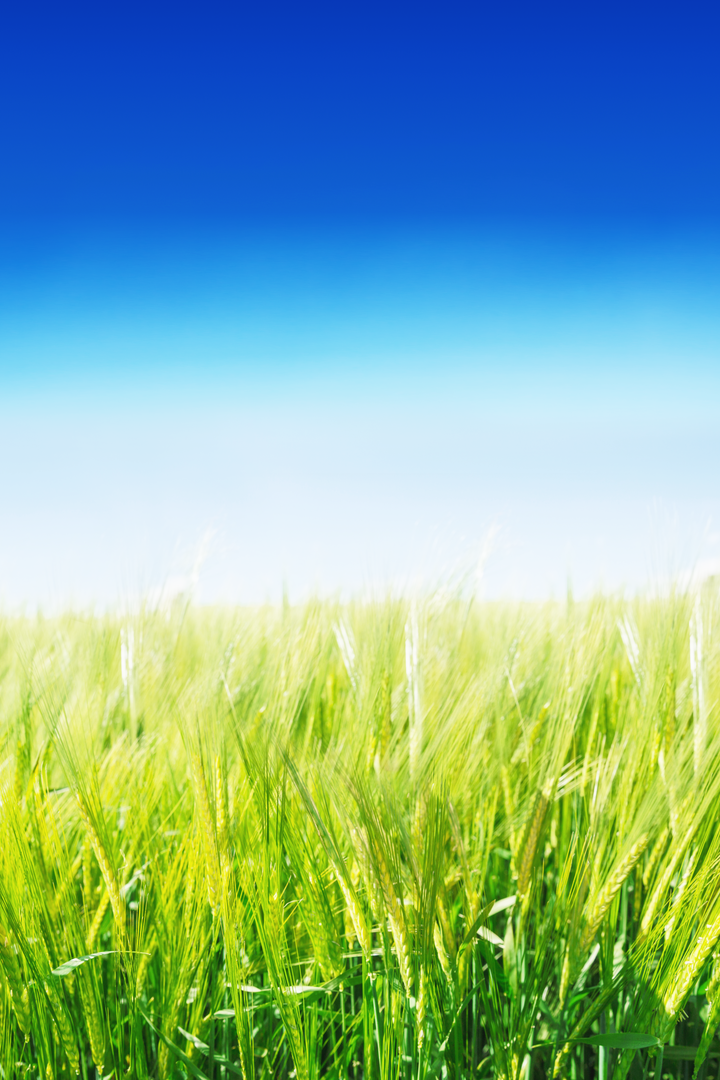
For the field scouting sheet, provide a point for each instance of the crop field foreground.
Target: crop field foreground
(395, 840)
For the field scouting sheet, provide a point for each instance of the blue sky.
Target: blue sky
(349, 299)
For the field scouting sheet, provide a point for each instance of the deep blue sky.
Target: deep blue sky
(379, 111)
(350, 290)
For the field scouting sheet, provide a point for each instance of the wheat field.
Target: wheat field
(399, 839)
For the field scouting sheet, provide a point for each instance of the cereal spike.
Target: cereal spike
(421, 1008)
(655, 853)
(396, 922)
(691, 968)
(97, 921)
(87, 872)
(221, 813)
(116, 900)
(711, 1026)
(565, 976)
(18, 992)
(93, 1020)
(445, 962)
(64, 1027)
(610, 891)
(530, 845)
(712, 987)
(448, 936)
(207, 831)
(357, 917)
(663, 883)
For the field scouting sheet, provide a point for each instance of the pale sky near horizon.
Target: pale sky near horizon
(350, 411)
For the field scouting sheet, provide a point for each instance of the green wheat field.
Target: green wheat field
(400, 840)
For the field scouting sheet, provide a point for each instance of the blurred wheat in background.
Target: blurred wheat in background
(437, 839)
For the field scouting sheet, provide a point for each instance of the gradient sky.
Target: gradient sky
(348, 298)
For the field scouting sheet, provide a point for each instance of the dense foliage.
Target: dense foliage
(430, 839)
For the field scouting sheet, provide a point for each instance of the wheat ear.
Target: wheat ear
(97, 921)
(221, 817)
(18, 992)
(212, 866)
(530, 844)
(655, 853)
(93, 1020)
(448, 935)
(662, 885)
(565, 976)
(609, 892)
(357, 917)
(711, 1026)
(87, 872)
(509, 813)
(712, 986)
(113, 891)
(64, 1027)
(421, 1008)
(396, 922)
(691, 968)
(445, 962)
